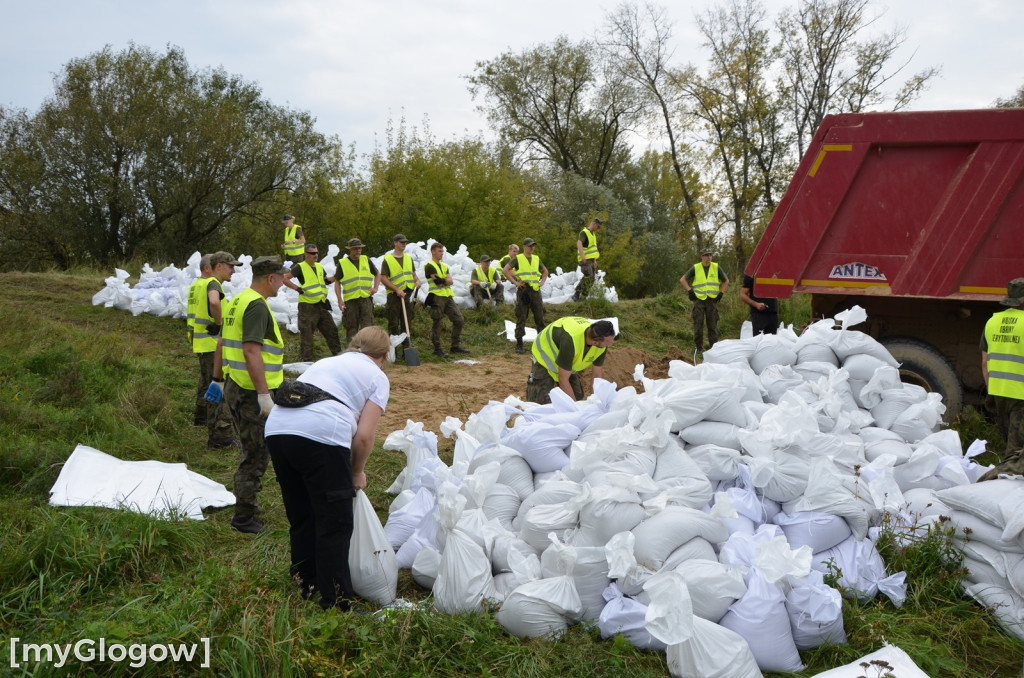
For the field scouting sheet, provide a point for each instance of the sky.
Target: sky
(356, 65)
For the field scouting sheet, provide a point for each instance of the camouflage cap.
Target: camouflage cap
(355, 242)
(1014, 293)
(223, 258)
(267, 266)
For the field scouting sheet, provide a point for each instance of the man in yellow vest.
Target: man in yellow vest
(1002, 365)
(314, 307)
(357, 281)
(251, 352)
(204, 319)
(485, 283)
(398, 275)
(706, 284)
(528, 273)
(441, 301)
(294, 239)
(563, 349)
(513, 252)
(587, 255)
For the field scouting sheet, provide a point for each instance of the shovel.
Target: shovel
(412, 356)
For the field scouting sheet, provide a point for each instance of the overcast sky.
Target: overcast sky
(354, 65)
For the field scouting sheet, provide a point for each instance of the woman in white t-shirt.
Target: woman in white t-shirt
(319, 453)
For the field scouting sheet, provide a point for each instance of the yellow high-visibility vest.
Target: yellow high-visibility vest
(589, 246)
(706, 284)
(1004, 334)
(545, 350)
(231, 350)
(486, 276)
(528, 270)
(293, 248)
(314, 286)
(356, 282)
(433, 287)
(199, 318)
(403, 279)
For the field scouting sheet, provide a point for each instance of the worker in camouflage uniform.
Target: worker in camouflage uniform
(357, 282)
(251, 352)
(310, 281)
(1002, 365)
(528, 273)
(398, 275)
(563, 349)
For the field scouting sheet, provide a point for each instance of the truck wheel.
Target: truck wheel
(925, 366)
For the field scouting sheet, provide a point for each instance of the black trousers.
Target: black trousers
(316, 485)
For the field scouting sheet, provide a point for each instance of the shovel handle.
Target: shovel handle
(405, 316)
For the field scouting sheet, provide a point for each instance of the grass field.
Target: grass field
(72, 373)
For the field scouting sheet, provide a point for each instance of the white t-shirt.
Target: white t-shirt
(351, 377)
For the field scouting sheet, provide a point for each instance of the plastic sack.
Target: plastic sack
(903, 666)
(760, 617)
(371, 559)
(711, 651)
(541, 609)
(625, 616)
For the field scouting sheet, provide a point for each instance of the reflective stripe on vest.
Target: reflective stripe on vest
(232, 345)
(485, 276)
(1004, 334)
(356, 282)
(433, 287)
(199, 318)
(705, 285)
(293, 248)
(590, 247)
(528, 270)
(314, 287)
(545, 350)
(403, 280)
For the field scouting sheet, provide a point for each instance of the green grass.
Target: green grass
(72, 373)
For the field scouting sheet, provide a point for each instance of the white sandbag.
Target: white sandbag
(815, 613)
(781, 477)
(1005, 605)
(551, 492)
(697, 548)
(924, 502)
(541, 609)
(463, 577)
(515, 472)
(425, 536)
(982, 499)
(371, 560)
(712, 433)
(728, 351)
(502, 504)
(862, 366)
(541, 444)
(760, 618)
(902, 665)
(713, 586)
(712, 651)
(920, 420)
(845, 343)
(625, 616)
(508, 553)
(675, 468)
(543, 519)
(777, 380)
(861, 571)
(819, 531)
(661, 534)
(716, 462)
(425, 566)
(971, 528)
(589, 572)
(829, 490)
(816, 353)
(403, 522)
(771, 350)
(900, 450)
(609, 511)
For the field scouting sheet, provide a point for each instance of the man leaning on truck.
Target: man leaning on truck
(1002, 364)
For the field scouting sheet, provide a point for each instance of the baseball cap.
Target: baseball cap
(223, 258)
(706, 250)
(287, 217)
(484, 258)
(528, 242)
(267, 266)
(399, 238)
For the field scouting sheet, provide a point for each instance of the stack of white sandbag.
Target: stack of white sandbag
(731, 492)
(988, 523)
(165, 292)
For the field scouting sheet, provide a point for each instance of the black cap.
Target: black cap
(484, 258)
(399, 238)
(287, 217)
(528, 242)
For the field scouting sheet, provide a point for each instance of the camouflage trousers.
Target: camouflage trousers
(393, 312)
(540, 383)
(439, 308)
(358, 314)
(216, 415)
(253, 460)
(527, 300)
(704, 311)
(1010, 419)
(313, 317)
(589, 270)
(480, 296)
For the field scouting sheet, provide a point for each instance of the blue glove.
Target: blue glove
(215, 393)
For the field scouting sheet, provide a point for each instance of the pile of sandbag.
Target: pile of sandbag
(699, 517)
(165, 292)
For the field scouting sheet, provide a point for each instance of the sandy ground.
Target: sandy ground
(431, 392)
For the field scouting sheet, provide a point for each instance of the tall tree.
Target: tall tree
(639, 43)
(559, 102)
(828, 69)
(139, 154)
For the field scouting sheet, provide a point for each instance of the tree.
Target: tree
(139, 154)
(559, 103)
(826, 69)
(1016, 101)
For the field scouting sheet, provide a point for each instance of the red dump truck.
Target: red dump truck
(916, 217)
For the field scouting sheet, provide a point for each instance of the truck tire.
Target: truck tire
(925, 366)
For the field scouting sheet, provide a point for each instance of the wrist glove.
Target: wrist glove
(692, 295)
(215, 392)
(213, 330)
(266, 404)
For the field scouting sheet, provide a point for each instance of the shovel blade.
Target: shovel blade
(412, 357)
